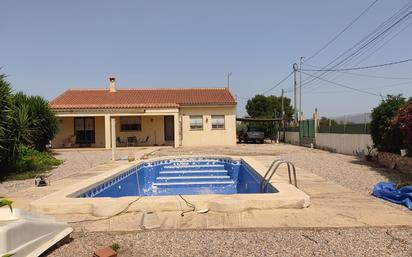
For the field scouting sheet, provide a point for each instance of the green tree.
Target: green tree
(324, 122)
(386, 134)
(261, 106)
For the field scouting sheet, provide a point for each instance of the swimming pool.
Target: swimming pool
(186, 176)
(152, 185)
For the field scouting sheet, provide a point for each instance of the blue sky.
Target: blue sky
(49, 46)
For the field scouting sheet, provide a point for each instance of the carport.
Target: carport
(273, 121)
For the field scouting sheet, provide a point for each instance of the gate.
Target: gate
(307, 132)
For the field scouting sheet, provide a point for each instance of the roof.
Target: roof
(141, 98)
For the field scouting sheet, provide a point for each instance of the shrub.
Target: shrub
(29, 159)
(404, 121)
(386, 134)
(38, 117)
(115, 247)
(28, 121)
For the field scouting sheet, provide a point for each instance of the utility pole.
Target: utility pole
(300, 87)
(295, 69)
(228, 78)
(283, 117)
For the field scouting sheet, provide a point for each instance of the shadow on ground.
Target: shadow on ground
(392, 175)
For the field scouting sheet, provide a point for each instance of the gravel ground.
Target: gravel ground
(278, 242)
(345, 170)
(74, 161)
(239, 149)
(341, 169)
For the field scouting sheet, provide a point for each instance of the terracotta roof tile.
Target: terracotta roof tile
(141, 98)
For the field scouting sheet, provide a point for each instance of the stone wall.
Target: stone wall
(403, 164)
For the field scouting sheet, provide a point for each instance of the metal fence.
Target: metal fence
(292, 129)
(363, 128)
(348, 124)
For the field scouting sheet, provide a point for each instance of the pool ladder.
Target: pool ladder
(272, 170)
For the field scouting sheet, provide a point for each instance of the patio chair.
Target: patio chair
(120, 142)
(70, 141)
(131, 141)
(144, 141)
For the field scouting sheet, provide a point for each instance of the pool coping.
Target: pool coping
(63, 202)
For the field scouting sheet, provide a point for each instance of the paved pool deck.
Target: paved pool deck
(332, 206)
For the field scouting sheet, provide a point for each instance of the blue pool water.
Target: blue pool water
(182, 176)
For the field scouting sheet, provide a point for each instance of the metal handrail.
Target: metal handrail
(275, 165)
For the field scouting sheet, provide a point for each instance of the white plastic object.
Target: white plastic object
(29, 234)
(202, 211)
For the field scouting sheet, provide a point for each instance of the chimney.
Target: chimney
(112, 84)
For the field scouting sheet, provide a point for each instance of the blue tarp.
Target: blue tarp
(388, 191)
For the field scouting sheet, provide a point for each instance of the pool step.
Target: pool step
(192, 178)
(198, 183)
(194, 172)
(194, 167)
(205, 161)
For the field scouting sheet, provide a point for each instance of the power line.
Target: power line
(342, 85)
(362, 47)
(279, 83)
(270, 89)
(343, 31)
(385, 43)
(364, 67)
(374, 76)
(369, 39)
(385, 86)
(369, 55)
(376, 37)
(363, 44)
(366, 75)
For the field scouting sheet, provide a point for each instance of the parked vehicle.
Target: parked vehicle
(251, 135)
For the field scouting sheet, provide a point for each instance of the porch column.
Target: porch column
(107, 129)
(177, 129)
(113, 125)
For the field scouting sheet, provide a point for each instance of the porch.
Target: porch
(126, 130)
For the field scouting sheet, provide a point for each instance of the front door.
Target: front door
(84, 130)
(169, 128)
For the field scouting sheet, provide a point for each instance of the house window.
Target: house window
(218, 121)
(130, 123)
(196, 122)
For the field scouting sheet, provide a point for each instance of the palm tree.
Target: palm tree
(24, 121)
(5, 99)
(24, 130)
